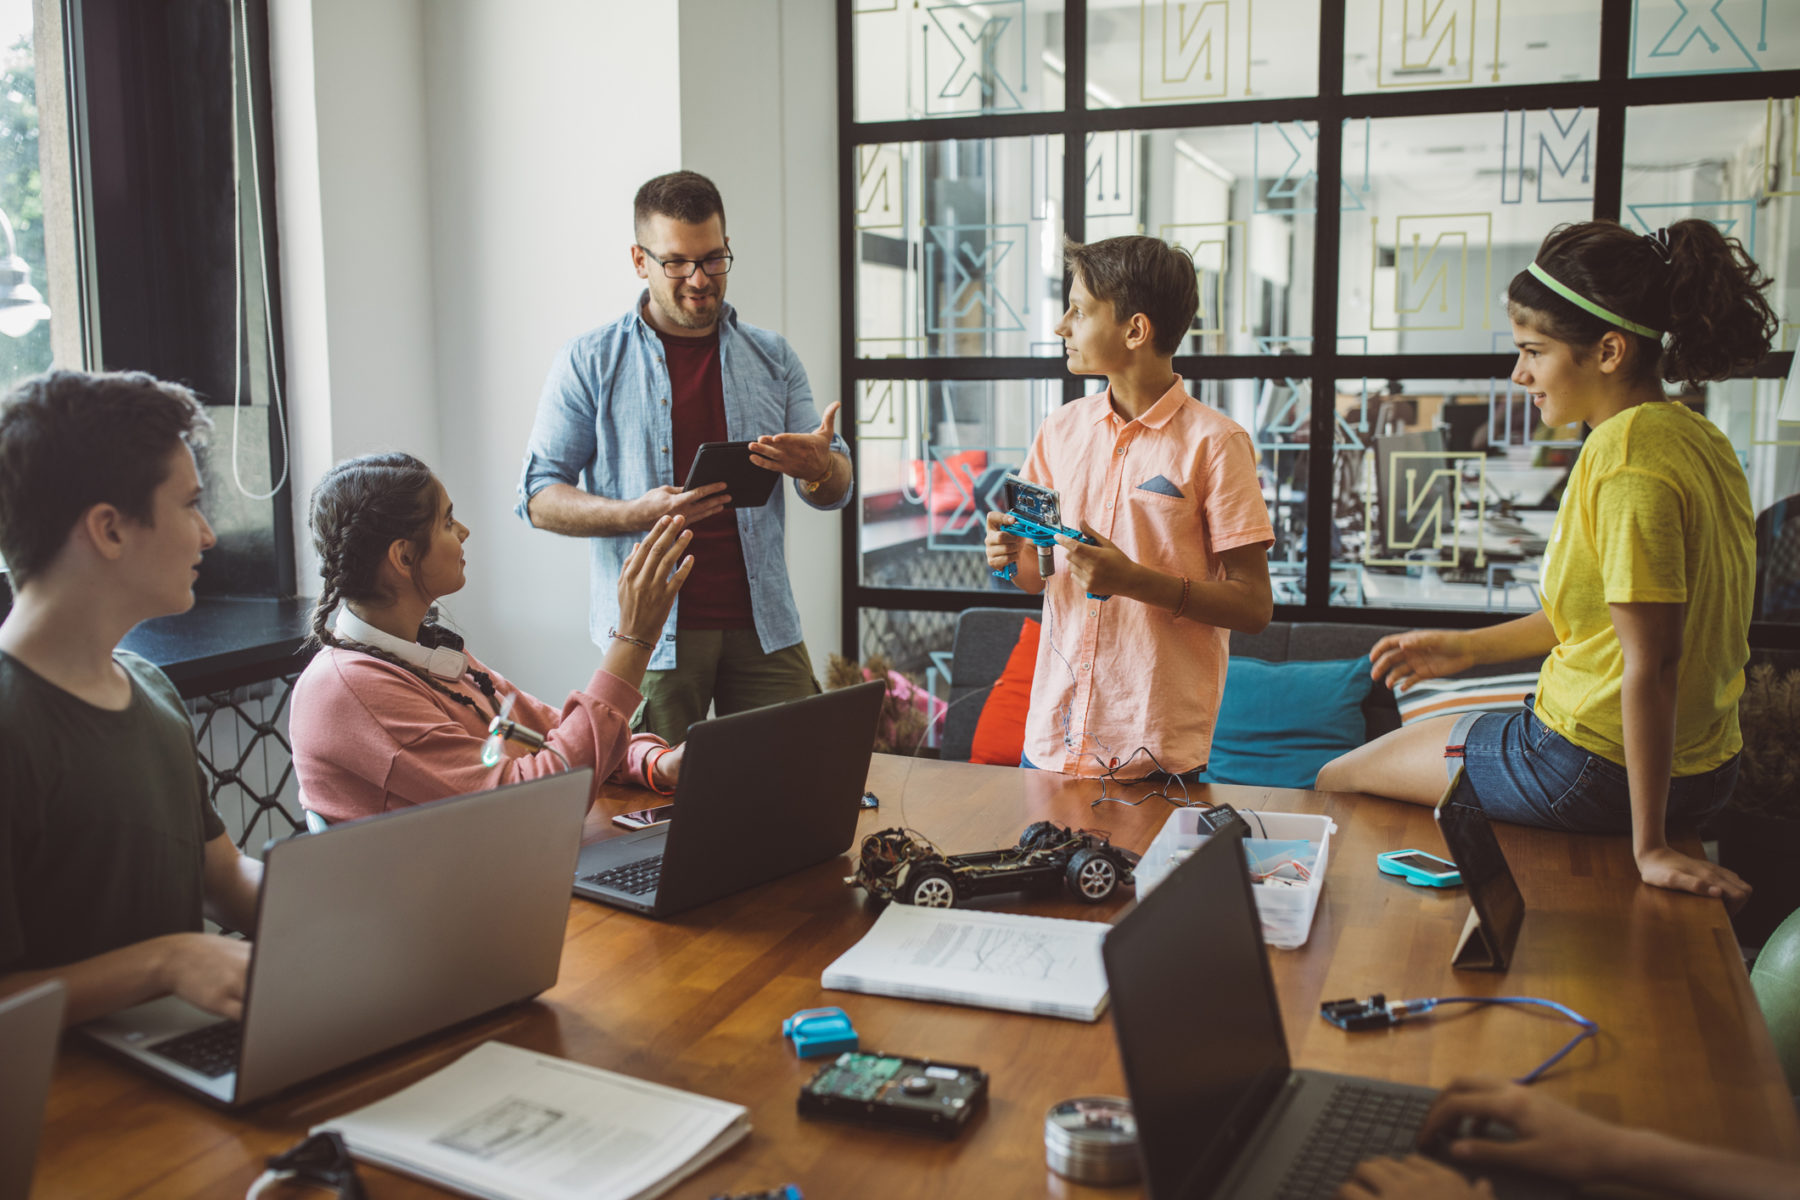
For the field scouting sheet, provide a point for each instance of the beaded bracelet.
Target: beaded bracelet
(1185, 586)
(626, 637)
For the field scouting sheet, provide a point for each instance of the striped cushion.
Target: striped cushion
(1450, 697)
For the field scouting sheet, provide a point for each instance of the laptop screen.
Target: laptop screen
(1198, 1025)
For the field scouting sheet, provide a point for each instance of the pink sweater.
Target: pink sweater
(369, 736)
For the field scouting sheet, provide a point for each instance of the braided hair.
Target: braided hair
(360, 508)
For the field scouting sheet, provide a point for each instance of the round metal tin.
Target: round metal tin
(1092, 1139)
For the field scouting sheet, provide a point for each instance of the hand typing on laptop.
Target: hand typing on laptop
(206, 970)
(1548, 1137)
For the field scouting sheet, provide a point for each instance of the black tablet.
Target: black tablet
(1496, 909)
(729, 463)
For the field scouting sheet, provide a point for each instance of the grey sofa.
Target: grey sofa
(986, 636)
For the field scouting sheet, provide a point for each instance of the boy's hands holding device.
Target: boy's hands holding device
(1101, 568)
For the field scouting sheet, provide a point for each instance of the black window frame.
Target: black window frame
(1611, 95)
(149, 100)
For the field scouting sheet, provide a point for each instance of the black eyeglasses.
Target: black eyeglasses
(678, 268)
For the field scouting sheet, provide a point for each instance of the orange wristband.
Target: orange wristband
(650, 760)
(1185, 586)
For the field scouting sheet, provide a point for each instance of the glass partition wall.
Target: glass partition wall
(1357, 182)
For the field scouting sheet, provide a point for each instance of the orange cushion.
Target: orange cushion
(1000, 731)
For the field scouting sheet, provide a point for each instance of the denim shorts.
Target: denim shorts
(1525, 772)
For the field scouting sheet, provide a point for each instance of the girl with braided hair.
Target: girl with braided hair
(1648, 577)
(392, 712)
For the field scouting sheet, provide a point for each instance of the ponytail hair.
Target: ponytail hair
(1697, 286)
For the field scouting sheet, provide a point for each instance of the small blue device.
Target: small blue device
(1419, 868)
(817, 1032)
(1036, 513)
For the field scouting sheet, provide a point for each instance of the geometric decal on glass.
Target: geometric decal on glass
(1437, 43)
(1419, 510)
(1733, 218)
(1208, 243)
(884, 409)
(1554, 149)
(976, 485)
(880, 187)
(1185, 50)
(1348, 432)
(1781, 159)
(1112, 174)
(1697, 37)
(1293, 146)
(969, 51)
(963, 270)
(1433, 255)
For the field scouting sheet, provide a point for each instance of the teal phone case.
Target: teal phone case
(1386, 863)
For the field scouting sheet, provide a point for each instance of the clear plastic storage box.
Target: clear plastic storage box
(1287, 913)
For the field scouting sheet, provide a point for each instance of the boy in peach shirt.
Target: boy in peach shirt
(1167, 490)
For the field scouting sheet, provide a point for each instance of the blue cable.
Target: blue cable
(1588, 1028)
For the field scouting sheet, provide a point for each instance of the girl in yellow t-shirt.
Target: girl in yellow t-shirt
(1648, 577)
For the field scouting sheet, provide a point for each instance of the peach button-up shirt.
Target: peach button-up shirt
(1173, 489)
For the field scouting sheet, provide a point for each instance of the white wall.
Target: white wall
(354, 217)
(759, 118)
(543, 118)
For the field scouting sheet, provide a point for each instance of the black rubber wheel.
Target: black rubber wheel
(930, 887)
(1092, 875)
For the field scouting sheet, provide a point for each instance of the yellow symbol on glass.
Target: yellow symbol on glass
(1781, 144)
(1437, 43)
(1424, 492)
(879, 179)
(1433, 254)
(1184, 49)
(883, 410)
(1208, 243)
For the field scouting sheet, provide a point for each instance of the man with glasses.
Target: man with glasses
(622, 413)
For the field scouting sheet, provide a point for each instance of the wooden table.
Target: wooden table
(697, 1002)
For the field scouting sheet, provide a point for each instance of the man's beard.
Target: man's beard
(686, 318)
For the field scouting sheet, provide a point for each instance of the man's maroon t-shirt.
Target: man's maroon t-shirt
(717, 594)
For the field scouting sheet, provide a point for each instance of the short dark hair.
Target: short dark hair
(686, 196)
(70, 440)
(1140, 275)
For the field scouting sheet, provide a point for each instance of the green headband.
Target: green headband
(1579, 301)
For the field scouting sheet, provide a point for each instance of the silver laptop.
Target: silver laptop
(1220, 1110)
(30, 1026)
(762, 794)
(376, 932)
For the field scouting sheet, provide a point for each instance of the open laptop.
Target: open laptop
(1221, 1112)
(376, 932)
(30, 1027)
(762, 794)
(1496, 909)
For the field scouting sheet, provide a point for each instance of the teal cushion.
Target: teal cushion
(1281, 721)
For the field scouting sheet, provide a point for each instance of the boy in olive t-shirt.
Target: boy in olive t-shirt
(110, 852)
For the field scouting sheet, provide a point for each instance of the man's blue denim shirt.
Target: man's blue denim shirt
(603, 425)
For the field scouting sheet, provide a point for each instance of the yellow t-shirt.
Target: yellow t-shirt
(1657, 510)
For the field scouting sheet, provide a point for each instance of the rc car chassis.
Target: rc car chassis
(899, 864)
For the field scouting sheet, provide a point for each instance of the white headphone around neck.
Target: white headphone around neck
(442, 662)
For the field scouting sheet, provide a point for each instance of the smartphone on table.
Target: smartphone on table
(644, 818)
(1419, 868)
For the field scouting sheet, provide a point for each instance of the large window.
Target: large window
(1357, 182)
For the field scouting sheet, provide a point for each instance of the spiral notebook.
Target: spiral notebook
(1043, 965)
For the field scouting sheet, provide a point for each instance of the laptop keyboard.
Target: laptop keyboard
(635, 879)
(211, 1050)
(1358, 1122)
